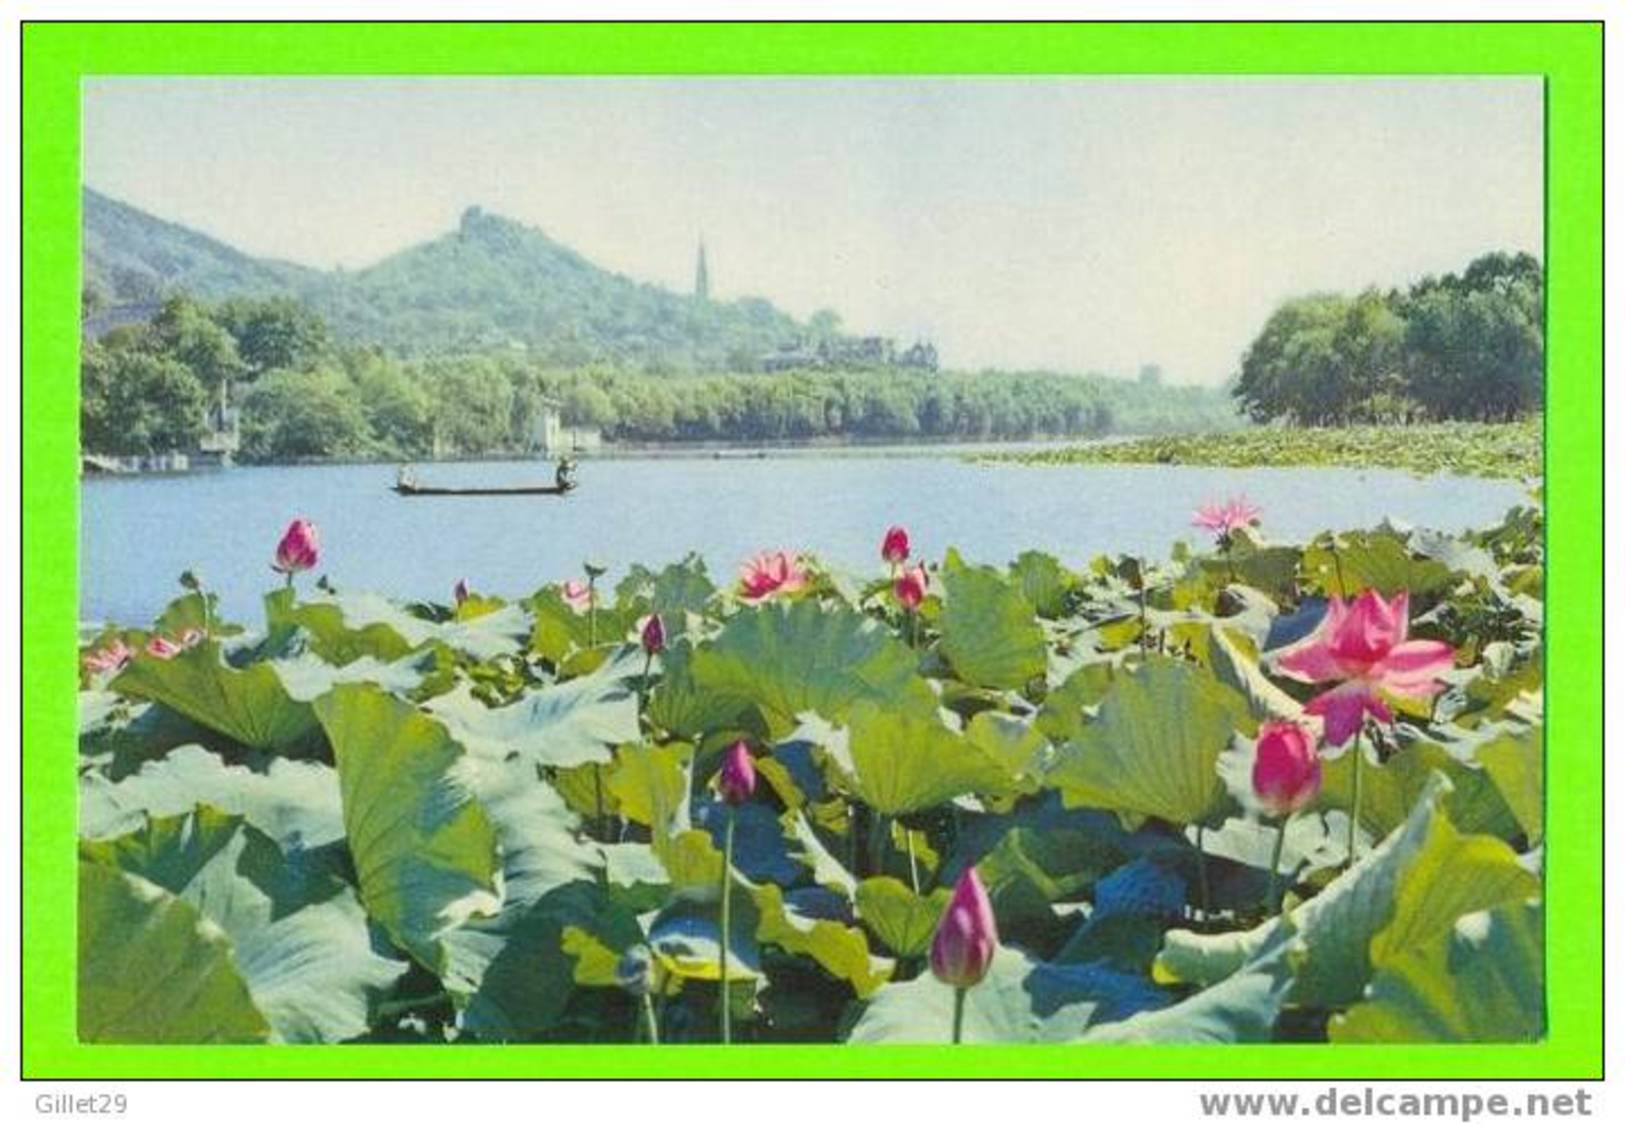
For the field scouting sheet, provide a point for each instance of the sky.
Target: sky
(1070, 224)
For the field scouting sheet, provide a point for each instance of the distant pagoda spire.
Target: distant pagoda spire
(702, 275)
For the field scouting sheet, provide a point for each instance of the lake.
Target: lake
(138, 534)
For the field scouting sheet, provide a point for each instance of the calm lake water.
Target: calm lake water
(138, 534)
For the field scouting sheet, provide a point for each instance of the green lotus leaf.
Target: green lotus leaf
(344, 629)
(559, 630)
(1408, 889)
(1154, 748)
(296, 803)
(1515, 762)
(1234, 667)
(899, 763)
(1242, 1008)
(673, 592)
(1389, 791)
(989, 632)
(307, 677)
(1480, 981)
(250, 705)
(903, 920)
(1064, 712)
(649, 784)
(299, 938)
(1016, 744)
(561, 724)
(1379, 560)
(1019, 1000)
(787, 659)
(152, 970)
(687, 940)
(790, 921)
(684, 710)
(425, 852)
(1042, 581)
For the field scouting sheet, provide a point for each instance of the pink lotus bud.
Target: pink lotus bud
(298, 549)
(909, 588)
(894, 548)
(459, 592)
(1286, 772)
(966, 936)
(736, 781)
(654, 635)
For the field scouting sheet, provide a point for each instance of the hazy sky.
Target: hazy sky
(1068, 223)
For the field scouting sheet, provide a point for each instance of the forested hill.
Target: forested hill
(133, 258)
(490, 285)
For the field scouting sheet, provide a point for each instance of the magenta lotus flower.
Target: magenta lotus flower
(736, 780)
(967, 935)
(769, 573)
(894, 547)
(298, 550)
(1363, 647)
(1225, 518)
(111, 657)
(653, 635)
(910, 586)
(459, 592)
(576, 595)
(163, 648)
(1286, 771)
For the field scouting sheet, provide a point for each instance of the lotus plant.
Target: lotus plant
(299, 549)
(652, 636)
(1363, 646)
(1224, 520)
(1286, 779)
(963, 945)
(736, 783)
(576, 595)
(459, 592)
(769, 573)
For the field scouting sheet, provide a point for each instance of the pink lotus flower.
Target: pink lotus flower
(1363, 647)
(910, 587)
(736, 780)
(576, 595)
(967, 935)
(894, 547)
(653, 635)
(298, 549)
(1226, 518)
(112, 657)
(163, 648)
(773, 571)
(459, 592)
(1286, 771)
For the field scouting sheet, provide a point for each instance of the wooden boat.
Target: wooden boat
(408, 489)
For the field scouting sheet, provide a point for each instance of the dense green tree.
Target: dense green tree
(184, 330)
(273, 334)
(288, 415)
(135, 403)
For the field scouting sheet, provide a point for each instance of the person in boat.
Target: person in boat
(565, 474)
(405, 478)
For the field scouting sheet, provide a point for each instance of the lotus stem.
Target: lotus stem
(1354, 813)
(592, 610)
(1270, 898)
(1201, 876)
(722, 952)
(651, 1025)
(959, 1014)
(598, 799)
(913, 866)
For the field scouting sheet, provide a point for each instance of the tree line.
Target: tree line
(1468, 346)
(148, 388)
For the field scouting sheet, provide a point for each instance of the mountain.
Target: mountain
(490, 284)
(131, 257)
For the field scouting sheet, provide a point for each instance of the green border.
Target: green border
(1569, 56)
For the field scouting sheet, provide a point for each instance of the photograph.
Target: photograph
(813, 551)
(861, 560)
